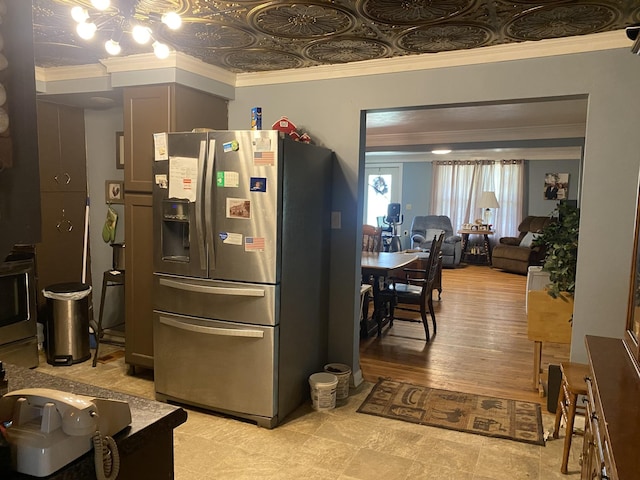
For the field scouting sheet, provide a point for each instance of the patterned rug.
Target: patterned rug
(490, 416)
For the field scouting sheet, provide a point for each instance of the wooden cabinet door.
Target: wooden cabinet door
(61, 146)
(138, 279)
(59, 254)
(146, 111)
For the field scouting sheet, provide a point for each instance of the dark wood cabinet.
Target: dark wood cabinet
(610, 449)
(149, 110)
(61, 145)
(138, 280)
(63, 194)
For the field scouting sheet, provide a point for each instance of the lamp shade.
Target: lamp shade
(488, 200)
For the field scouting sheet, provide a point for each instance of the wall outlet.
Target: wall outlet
(408, 206)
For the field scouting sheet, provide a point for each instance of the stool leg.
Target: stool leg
(571, 414)
(98, 333)
(559, 407)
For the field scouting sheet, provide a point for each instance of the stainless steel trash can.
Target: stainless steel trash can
(67, 332)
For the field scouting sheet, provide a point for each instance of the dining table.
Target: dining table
(376, 268)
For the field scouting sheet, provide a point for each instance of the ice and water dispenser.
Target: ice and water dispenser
(175, 230)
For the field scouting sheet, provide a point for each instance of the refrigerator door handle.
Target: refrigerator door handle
(208, 203)
(200, 189)
(241, 292)
(226, 332)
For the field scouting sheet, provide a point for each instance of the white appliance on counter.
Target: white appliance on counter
(242, 222)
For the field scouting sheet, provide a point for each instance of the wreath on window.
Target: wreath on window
(380, 186)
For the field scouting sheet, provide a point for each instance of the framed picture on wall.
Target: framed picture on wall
(114, 191)
(556, 186)
(120, 150)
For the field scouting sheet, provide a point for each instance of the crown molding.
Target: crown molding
(479, 135)
(497, 154)
(495, 53)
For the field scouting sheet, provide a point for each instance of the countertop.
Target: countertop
(149, 420)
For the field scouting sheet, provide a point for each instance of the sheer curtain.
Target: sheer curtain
(458, 185)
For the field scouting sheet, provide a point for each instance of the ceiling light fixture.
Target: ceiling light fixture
(441, 151)
(112, 18)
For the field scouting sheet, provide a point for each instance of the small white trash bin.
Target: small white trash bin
(343, 372)
(323, 390)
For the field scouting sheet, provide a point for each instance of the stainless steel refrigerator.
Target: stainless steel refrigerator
(241, 270)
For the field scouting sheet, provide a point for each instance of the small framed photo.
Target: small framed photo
(114, 191)
(483, 227)
(120, 150)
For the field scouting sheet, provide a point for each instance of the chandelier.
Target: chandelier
(118, 21)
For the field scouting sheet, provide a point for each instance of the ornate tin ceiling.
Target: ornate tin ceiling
(250, 36)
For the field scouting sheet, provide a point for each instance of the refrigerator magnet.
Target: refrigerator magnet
(160, 146)
(254, 244)
(258, 184)
(161, 181)
(231, 238)
(264, 158)
(238, 208)
(232, 146)
(227, 179)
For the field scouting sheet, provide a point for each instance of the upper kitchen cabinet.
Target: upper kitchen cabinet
(162, 108)
(61, 146)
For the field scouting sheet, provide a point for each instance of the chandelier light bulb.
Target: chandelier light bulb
(141, 34)
(86, 30)
(172, 20)
(101, 4)
(79, 14)
(161, 50)
(112, 47)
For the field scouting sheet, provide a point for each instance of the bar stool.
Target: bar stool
(110, 278)
(573, 384)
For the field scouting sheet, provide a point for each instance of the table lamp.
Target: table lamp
(488, 201)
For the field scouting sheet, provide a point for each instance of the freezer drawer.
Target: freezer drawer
(229, 301)
(222, 366)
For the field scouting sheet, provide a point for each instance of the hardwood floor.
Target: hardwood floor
(481, 345)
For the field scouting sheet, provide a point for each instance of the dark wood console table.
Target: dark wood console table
(145, 447)
(612, 429)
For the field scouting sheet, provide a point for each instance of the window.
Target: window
(382, 188)
(458, 185)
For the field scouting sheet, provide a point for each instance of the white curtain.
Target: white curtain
(458, 185)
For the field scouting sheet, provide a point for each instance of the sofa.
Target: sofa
(424, 228)
(517, 254)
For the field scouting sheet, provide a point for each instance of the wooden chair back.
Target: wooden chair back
(416, 288)
(371, 238)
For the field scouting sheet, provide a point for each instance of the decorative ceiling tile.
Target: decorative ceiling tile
(562, 21)
(253, 36)
(442, 38)
(414, 12)
(343, 50)
(300, 20)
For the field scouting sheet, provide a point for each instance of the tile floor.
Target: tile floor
(339, 444)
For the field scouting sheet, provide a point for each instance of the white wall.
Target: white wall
(330, 110)
(100, 134)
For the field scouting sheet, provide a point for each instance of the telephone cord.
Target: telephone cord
(107, 459)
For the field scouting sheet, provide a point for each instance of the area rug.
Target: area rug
(465, 412)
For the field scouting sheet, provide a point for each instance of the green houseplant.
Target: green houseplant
(560, 240)
(550, 313)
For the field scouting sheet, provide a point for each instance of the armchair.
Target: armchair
(516, 254)
(424, 228)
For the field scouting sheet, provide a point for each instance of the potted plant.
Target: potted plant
(560, 240)
(550, 311)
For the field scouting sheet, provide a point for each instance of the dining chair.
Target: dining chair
(413, 292)
(371, 238)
